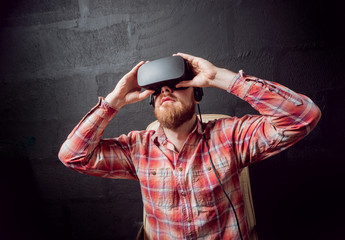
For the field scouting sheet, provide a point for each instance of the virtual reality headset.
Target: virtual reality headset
(166, 71)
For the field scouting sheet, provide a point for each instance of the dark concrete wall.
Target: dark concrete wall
(58, 56)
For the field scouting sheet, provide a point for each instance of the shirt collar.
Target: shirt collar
(161, 138)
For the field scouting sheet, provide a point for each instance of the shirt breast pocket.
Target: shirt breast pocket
(206, 188)
(158, 187)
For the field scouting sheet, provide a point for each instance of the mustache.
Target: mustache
(162, 95)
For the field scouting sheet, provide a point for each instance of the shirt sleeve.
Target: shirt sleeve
(285, 118)
(84, 151)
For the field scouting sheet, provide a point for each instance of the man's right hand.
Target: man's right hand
(127, 90)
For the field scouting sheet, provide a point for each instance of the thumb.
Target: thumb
(195, 82)
(145, 94)
(187, 83)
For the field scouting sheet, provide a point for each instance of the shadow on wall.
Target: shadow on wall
(305, 200)
(23, 213)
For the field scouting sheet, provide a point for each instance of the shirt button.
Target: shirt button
(183, 194)
(153, 172)
(209, 168)
(188, 220)
(180, 169)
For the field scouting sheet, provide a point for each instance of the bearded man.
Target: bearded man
(181, 195)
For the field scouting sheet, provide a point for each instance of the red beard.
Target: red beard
(172, 117)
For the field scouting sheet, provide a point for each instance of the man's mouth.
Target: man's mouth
(167, 99)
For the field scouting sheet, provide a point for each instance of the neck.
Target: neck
(179, 135)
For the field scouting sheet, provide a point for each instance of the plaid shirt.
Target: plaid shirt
(180, 192)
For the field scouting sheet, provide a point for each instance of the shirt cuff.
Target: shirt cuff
(107, 111)
(238, 86)
(103, 110)
(106, 104)
(232, 82)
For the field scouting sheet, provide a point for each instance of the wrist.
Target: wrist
(223, 78)
(114, 102)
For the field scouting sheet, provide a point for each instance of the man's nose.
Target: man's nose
(166, 89)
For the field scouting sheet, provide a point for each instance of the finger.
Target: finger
(135, 69)
(132, 73)
(188, 83)
(192, 60)
(185, 56)
(145, 94)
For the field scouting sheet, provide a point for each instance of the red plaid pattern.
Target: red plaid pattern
(180, 192)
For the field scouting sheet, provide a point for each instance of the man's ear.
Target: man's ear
(198, 93)
(152, 100)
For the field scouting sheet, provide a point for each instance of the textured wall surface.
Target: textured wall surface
(58, 56)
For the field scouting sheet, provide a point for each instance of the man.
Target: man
(181, 195)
